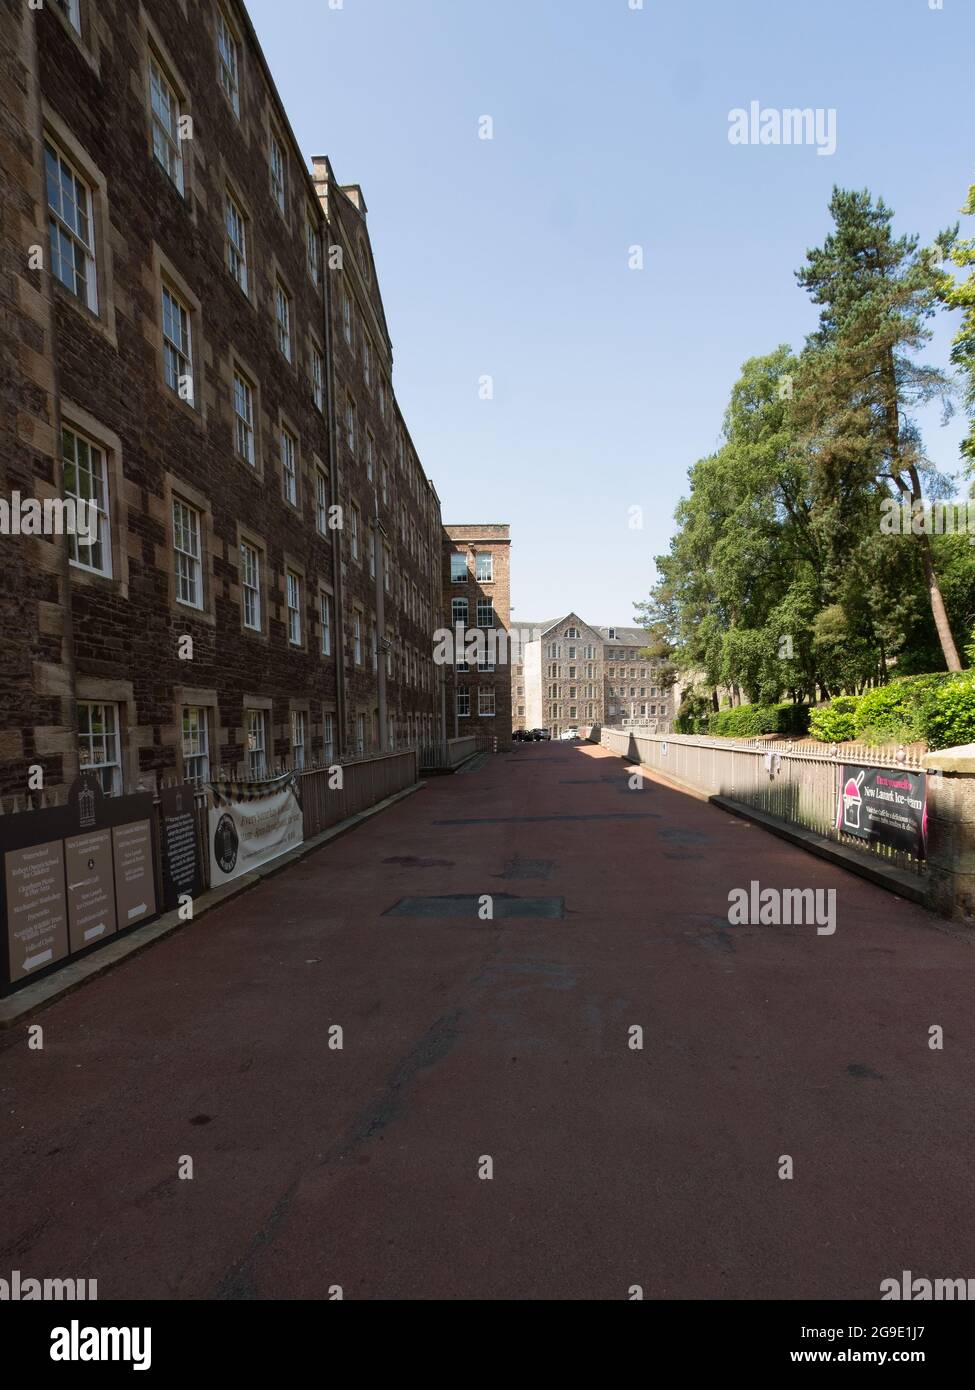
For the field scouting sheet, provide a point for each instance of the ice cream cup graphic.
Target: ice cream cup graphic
(852, 802)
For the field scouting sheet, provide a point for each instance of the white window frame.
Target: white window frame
(357, 638)
(250, 587)
(177, 350)
(96, 490)
(463, 702)
(188, 562)
(485, 702)
(195, 743)
(289, 466)
(283, 317)
(321, 501)
(485, 605)
(456, 563)
(350, 424)
(277, 170)
(293, 596)
(328, 735)
(299, 731)
(325, 621)
(103, 741)
(318, 379)
(164, 106)
(228, 60)
(243, 394)
(484, 558)
(347, 316)
(236, 227)
(256, 725)
(74, 233)
(313, 250)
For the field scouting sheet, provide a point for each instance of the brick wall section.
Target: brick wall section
(470, 541)
(35, 713)
(72, 635)
(406, 584)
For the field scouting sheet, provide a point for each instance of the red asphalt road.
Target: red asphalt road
(463, 1038)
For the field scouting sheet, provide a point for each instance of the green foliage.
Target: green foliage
(743, 721)
(752, 721)
(947, 713)
(780, 581)
(888, 714)
(694, 712)
(835, 722)
(961, 295)
(792, 719)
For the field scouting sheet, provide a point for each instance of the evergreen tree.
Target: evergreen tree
(861, 379)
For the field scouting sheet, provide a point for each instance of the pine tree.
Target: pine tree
(961, 295)
(861, 378)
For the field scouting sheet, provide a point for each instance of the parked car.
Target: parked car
(569, 733)
(543, 733)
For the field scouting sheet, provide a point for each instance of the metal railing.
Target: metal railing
(365, 782)
(444, 754)
(797, 785)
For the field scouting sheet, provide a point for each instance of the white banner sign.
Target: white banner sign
(250, 824)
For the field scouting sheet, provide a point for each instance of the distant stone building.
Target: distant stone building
(576, 674)
(477, 600)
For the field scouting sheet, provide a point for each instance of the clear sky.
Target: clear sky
(509, 257)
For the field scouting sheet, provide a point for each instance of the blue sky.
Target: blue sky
(508, 257)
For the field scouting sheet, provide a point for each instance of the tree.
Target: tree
(961, 295)
(860, 379)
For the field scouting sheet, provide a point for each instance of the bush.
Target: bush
(888, 714)
(835, 722)
(743, 721)
(947, 713)
(752, 721)
(792, 719)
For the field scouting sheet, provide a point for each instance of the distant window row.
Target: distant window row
(459, 610)
(483, 568)
(100, 743)
(485, 702)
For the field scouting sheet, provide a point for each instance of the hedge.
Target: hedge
(937, 709)
(888, 713)
(835, 722)
(751, 721)
(947, 712)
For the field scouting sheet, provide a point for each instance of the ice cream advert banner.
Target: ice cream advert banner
(885, 805)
